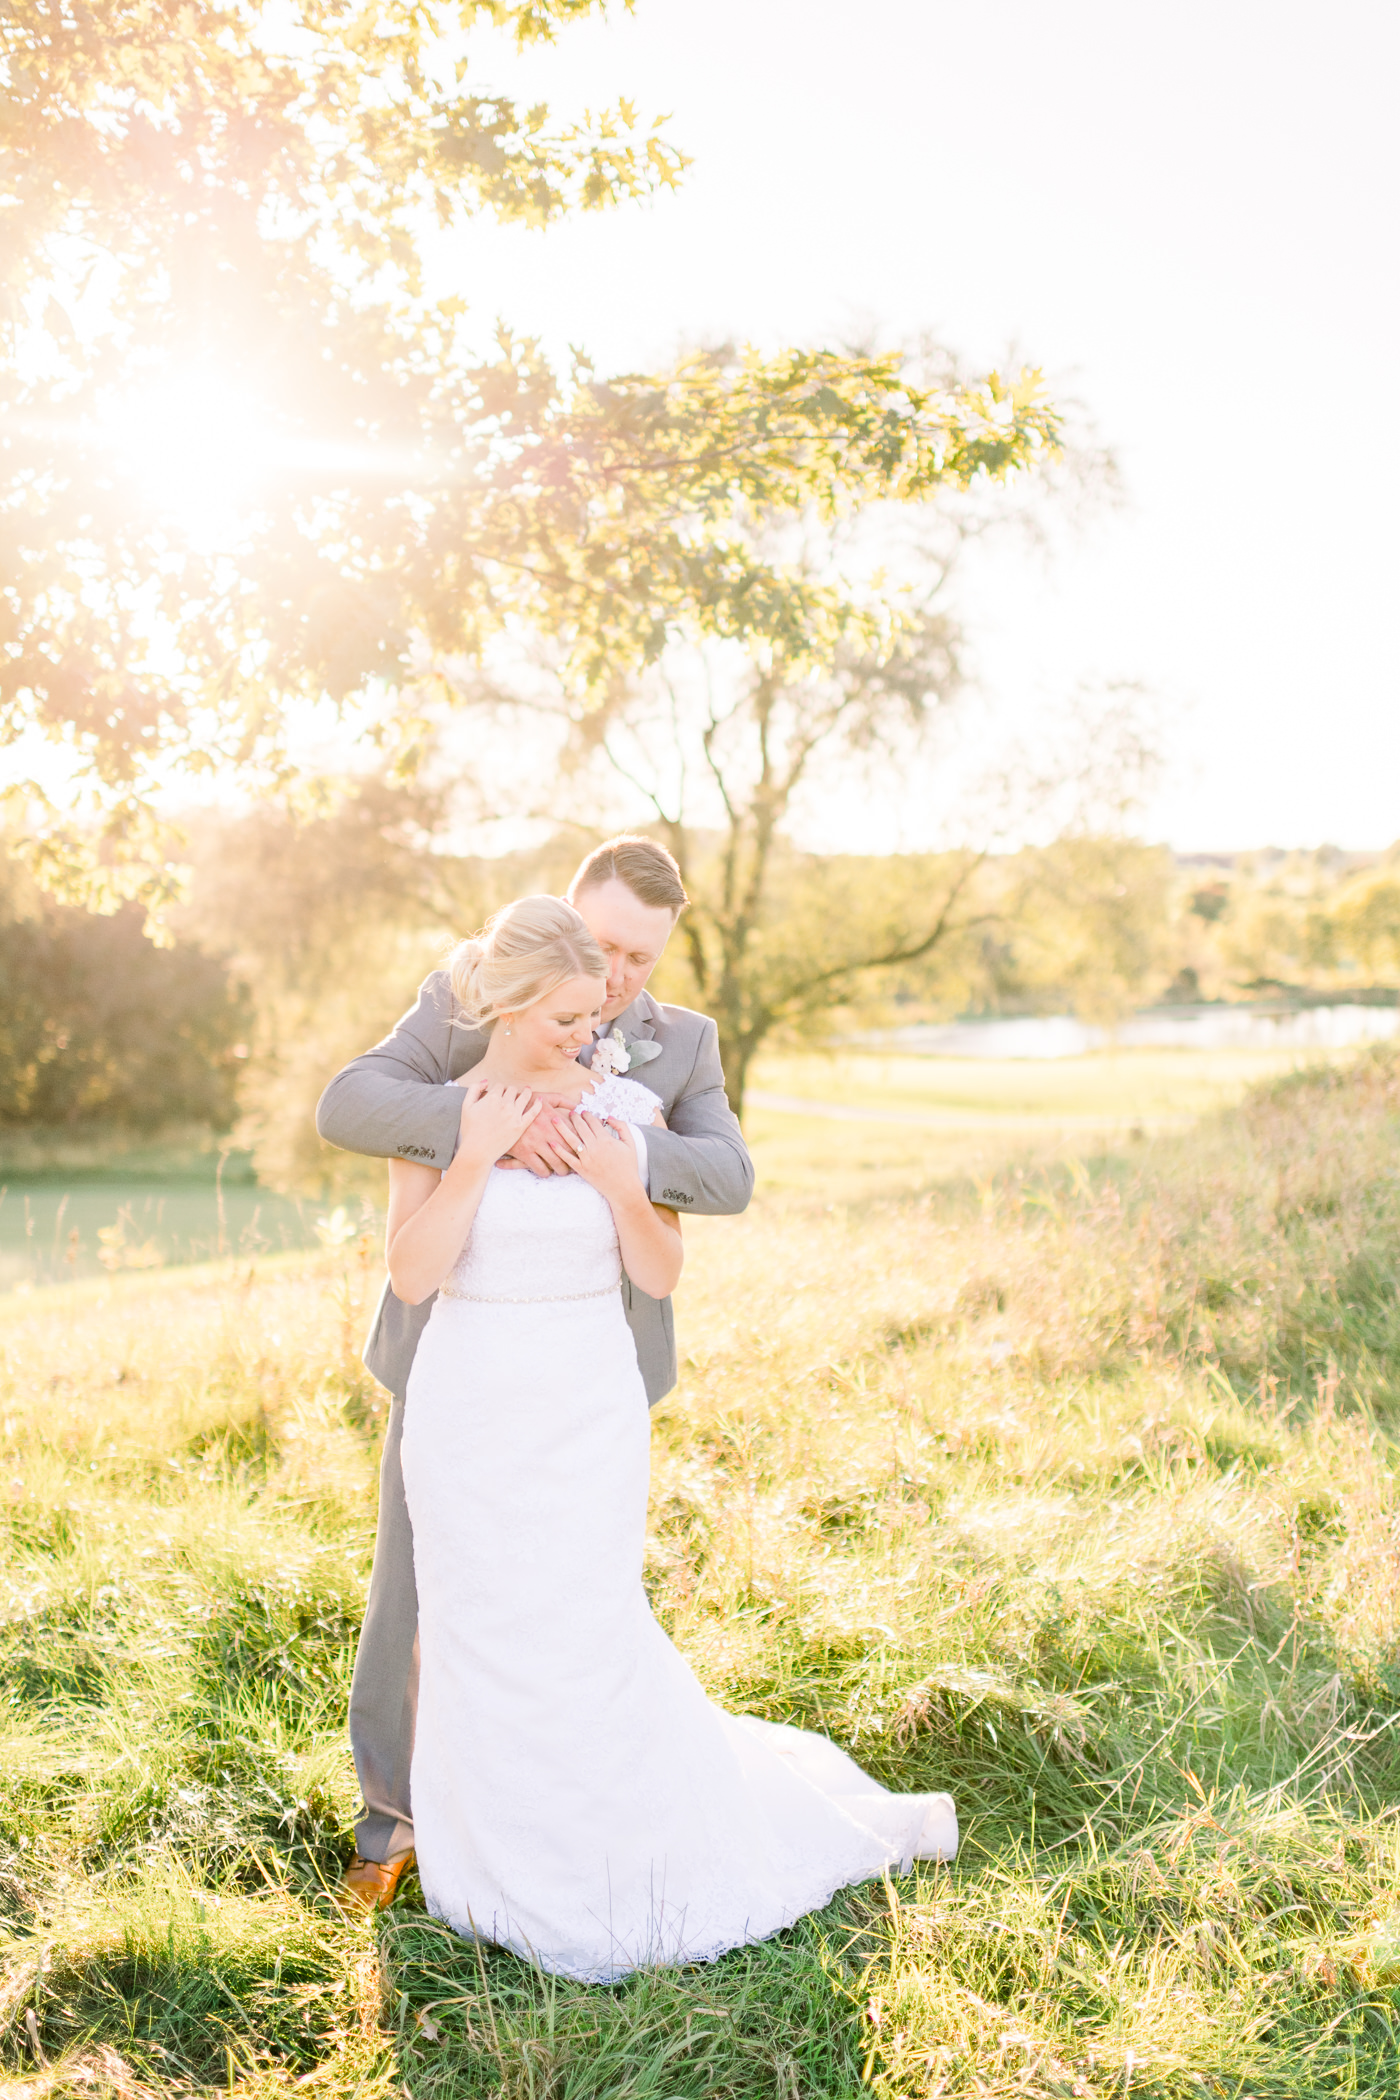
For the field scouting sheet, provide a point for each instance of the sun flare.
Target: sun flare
(198, 447)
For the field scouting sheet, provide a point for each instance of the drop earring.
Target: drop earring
(507, 1027)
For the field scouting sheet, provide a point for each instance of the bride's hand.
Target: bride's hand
(601, 1152)
(493, 1117)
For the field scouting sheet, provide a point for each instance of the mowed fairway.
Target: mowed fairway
(856, 1125)
(1069, 1486)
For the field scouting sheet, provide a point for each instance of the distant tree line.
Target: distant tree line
(1321, 922)
(303, 939)
(100, 1026)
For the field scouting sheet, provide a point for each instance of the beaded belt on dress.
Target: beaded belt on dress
(565, 1298)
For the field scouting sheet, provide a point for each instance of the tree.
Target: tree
(758, 958)
(1086, 924)
(821, 934)
(97, 1025)
(712, 748)
(1277, 930)
(1366, 919)
(332, 919)
(249, 463)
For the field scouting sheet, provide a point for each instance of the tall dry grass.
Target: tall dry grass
(1072, 1490)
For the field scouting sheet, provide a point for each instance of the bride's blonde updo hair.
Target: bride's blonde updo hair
(524, 952)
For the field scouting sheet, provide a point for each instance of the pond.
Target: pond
(54, 1229)
(1163, 1028)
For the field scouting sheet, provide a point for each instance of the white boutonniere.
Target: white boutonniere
(613, 1054)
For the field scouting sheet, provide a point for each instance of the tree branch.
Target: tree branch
(618, 767)
(942, 928)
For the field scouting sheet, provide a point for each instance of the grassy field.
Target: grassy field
(1068, 1486)
(75, 1207)
(857, 1126)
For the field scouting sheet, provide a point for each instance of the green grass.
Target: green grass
(909, 1123)
(1113, 1086)
(1070, 1486)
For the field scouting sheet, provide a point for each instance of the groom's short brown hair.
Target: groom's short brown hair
(648, 870)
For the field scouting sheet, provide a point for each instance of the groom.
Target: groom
(397, 1101)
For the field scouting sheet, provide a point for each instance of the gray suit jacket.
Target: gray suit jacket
(397, 1101)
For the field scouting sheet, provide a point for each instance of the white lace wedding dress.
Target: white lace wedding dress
(576, 1796)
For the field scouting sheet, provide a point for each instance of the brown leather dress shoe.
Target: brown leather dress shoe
(370, 1884)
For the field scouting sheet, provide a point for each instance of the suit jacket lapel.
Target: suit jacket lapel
(638, 1019)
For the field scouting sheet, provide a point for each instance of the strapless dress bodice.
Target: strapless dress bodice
(536, 1241)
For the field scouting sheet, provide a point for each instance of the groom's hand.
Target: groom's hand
(538, 1148)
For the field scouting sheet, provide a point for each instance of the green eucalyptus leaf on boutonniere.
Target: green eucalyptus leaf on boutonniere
(615, 1053)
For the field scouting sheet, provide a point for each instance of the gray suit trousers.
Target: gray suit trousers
(384, 1688)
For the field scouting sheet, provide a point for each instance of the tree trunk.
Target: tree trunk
(736, 1054)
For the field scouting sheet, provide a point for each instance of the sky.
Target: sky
(1186, 216)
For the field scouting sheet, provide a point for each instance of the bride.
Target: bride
(576, 1796)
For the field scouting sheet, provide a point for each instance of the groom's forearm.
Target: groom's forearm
(394, 1102)
(700, 1164)
(363, 1110)
(702, 1175)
